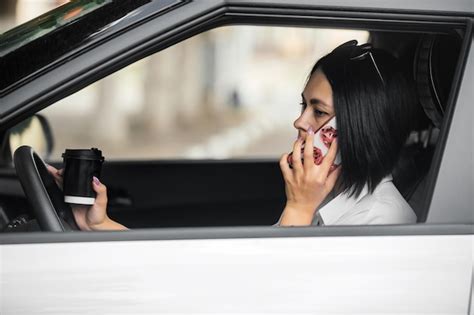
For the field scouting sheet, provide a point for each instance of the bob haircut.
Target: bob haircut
(374, 104)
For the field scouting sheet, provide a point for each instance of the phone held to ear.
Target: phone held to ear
(323, 138)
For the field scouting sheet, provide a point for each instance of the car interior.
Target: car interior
(149, 194)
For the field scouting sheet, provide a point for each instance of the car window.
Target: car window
(217, 95)
(231, 92)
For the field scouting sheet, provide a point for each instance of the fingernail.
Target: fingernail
(300, 138)
(310, 130)
(96, 180)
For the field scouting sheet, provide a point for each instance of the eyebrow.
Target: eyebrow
(316, 101)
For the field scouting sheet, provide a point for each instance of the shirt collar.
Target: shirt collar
(342, 203)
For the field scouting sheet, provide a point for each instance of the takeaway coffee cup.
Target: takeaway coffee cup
(79, 168)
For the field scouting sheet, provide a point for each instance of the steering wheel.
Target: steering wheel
(44, 196)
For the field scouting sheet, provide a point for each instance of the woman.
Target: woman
(373, 104)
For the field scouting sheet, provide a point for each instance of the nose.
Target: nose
(302, 123)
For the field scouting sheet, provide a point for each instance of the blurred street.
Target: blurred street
(231, 92)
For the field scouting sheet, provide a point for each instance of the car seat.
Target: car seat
(434, 58)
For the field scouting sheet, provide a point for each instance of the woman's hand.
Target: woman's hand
(90, 218)
(306, 184)
(93, 217)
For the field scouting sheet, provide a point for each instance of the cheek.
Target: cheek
(319, 122)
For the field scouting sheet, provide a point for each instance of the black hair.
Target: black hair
(374, 102)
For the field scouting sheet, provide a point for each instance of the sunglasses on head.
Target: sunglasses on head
(360, 52)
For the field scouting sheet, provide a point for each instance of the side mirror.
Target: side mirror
(35, 132)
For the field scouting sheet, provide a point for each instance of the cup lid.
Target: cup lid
(83, 154)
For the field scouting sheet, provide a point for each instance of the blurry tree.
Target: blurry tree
(174, 88)
(113, 127)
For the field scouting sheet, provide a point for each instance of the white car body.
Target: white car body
(418, 269)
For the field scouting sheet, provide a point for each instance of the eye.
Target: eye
(319, 113)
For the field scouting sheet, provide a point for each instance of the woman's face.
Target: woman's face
(317, 107)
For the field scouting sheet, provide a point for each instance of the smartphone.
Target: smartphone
(323, 138)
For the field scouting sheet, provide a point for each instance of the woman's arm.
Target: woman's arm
(296, 217)
(95, 218)
(91, 218)
(108, 224)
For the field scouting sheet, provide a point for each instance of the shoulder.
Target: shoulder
(384, 206)
(388, 206)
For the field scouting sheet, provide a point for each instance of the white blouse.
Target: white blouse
(384, 206)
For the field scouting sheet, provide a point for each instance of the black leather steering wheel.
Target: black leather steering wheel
(44, 196)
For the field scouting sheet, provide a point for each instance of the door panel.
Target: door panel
(344, 275)
(194, 193)
(145, 194)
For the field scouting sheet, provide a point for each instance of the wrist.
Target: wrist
(83, 226)
(107, 225)
(306, 210)
(101, 226)
(297, 216)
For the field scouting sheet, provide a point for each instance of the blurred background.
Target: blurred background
(232, 92)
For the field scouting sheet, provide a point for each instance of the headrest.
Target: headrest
(434, 65)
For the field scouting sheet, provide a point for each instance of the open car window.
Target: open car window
(227, 94)
(203, 104)
(232, 92)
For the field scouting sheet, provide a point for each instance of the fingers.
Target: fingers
(51, 169)
(54, 171)
(330, 157)
(308, 149)
(57, 174)
(285, 167)
(297, 165)
(101, 191)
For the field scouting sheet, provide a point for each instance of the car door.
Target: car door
(424, 268)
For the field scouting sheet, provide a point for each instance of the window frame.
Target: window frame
(154, 39)
(223, 233)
